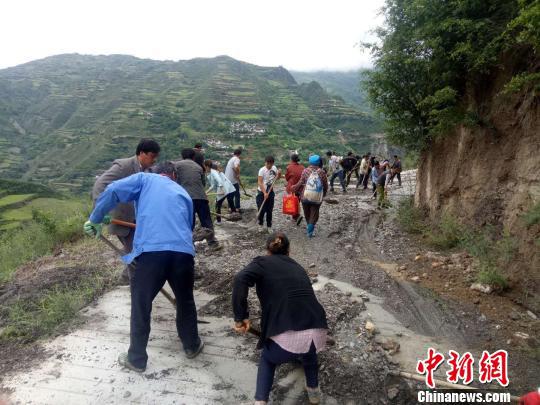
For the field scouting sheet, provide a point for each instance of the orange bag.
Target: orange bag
(291, 205)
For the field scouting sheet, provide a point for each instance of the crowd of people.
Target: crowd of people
(163, 200)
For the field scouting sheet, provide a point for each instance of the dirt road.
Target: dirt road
(352, 261)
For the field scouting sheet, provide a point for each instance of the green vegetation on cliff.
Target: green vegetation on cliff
(434, 58)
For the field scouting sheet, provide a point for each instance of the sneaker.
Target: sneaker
(124, 362)
(261, 229)
(218, 223)
(344, 191)
(314, 395)
(299, 220)
(191, 354)
(269, 230)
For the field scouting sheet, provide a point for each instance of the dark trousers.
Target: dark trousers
(219, 203)
(338, 174)
(237, 196)
(374, 188)
(201, 208)
(366, 178)
(349, 175)
(398, 175)
(273, 355)
(127, 243)
(295, 217)
(311, 212)
(151, 271)
(267, 209)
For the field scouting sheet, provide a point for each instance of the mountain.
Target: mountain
(347, 85)
(63, 119)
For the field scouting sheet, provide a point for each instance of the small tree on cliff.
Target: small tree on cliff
(431, 53)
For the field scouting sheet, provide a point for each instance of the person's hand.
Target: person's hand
(242, 326)
(92, 230)
(265, 195)
(106, 220)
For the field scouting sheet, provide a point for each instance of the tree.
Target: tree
(430, 53)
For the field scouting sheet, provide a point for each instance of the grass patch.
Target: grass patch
(448, 233)
(14, 199)
(29, 320)
(532, 217)
(492, 251)
(38, 237)
(410, 218)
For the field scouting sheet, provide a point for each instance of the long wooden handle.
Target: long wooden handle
(264, 201)
(123, 223)
(171, 299)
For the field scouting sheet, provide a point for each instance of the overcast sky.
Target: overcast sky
(297, 34)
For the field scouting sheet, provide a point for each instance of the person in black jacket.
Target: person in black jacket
(293, 322)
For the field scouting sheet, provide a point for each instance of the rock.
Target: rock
(402, 268)
(532, 315)
(416, 279)
(391, 345)
(497, 327)
(424, 275)
(127, 394)
(370, 327)
(476, 301)
(312, 265)
(392, 392)
(483, 288)
(417, 258)
(522, 335)
(436, 265)
(313, 281)
(348, 293)
(348, 246)
(514, 316)
(446, 285)
(482, 318)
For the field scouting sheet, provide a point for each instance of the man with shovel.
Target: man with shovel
(163, 250)
(145, 155)
(191, 176)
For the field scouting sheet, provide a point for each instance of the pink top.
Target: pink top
(300, 341)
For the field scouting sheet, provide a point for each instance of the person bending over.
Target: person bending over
(293, 322)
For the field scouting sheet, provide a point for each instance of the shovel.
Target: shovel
(228, 217)
(264, 201)
(244, 189)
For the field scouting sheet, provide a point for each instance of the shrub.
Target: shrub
(532, 217)
(410, 217)
(448, 233)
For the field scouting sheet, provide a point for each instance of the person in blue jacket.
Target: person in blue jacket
(162, 251)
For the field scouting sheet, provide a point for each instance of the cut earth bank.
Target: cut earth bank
(362, 268)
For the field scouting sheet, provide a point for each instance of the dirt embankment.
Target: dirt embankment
(487, 175)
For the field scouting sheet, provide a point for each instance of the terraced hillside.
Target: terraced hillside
(20, 202)
(65, 118)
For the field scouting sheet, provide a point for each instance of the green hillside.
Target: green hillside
(347, 85)
(63, 119)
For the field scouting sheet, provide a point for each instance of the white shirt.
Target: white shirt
(268, 176)
(233, 163)
(334, 163)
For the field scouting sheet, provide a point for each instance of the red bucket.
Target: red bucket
(291, 205)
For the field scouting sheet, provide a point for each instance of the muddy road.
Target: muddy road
(381, 319)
